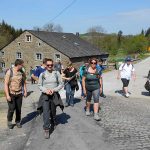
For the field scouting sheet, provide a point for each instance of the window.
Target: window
(28, 38)
(3, 65)
(18, 55)
(19, 43)
(57, 57)
(38, 56)
(2, 53)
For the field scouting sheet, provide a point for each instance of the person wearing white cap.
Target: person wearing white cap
(126, 72)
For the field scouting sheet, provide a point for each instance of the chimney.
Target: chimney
(77, 34)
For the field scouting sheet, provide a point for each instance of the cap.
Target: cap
(128, 58)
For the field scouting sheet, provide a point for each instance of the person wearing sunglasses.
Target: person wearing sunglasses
(50, 83)
(91, 82)
(69, 75)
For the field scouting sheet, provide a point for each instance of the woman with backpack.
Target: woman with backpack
(49, 83)
(91, 82)
(69, 75)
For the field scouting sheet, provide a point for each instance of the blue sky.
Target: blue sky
(130, 16)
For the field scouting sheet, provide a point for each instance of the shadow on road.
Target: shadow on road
(28, 93)
(119, 92)
(145, 93)
(29, 117)
(77, 100)
(62, 118)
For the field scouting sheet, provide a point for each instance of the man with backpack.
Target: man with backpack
(49, 83)
(15, 89)
(126, 72)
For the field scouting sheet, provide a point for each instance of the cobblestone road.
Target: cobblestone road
(126, 123)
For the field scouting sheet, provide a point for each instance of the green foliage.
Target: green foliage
(118, 45)
(2, 94)
(7, 33)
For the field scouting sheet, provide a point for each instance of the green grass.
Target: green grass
(2, 94)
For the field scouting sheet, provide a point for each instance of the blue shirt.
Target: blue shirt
(38, 71)
(100, 68)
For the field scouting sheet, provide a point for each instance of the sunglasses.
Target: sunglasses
(49, 65)
(94, 63)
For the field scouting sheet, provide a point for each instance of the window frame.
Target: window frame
(26, 38)
(55, 58)
(18, 55)
(36, 58)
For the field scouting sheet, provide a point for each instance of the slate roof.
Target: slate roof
(68, 44)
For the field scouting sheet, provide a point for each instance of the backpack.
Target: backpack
(23, 77)
(11, 75)
(81, 70)
(125, 64)
(147, 85)
(56, 76)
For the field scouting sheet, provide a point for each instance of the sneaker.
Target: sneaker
(72, 105)
(10, 125)
(127, 95)
(18, 124)
(66, 105)
(96, 117)
(87, 113)
(102, 95)
(46, 134)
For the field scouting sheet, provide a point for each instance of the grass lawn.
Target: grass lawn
(2, 93)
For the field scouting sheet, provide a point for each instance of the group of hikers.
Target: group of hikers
(52, 79)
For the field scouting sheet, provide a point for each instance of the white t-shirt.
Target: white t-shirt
(126, 71)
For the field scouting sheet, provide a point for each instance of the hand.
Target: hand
(48, 92)
(68, 79)
(101, 90)
(51, 92)
(25, 94)
(8, 98)
(84, 91)
(134, 78)
(118, 77)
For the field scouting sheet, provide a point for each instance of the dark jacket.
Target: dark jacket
(55, 98)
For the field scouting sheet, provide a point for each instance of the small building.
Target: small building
(33, 46)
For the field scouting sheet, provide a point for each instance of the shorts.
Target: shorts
(95, 94)
(125, 82)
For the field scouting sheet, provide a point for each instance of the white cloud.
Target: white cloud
(136, 15)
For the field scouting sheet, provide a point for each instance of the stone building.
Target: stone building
(33, 46)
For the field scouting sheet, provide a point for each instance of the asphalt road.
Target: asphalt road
(125, 123)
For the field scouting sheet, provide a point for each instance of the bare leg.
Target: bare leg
(96, 107)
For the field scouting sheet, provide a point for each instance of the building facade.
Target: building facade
(33, 46)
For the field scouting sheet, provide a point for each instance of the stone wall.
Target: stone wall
(29, 50)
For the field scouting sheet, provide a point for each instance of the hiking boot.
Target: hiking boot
(46, 134)
(18, 124)
(96, 117)
(127, 95)
(10, 125)
(87, 113)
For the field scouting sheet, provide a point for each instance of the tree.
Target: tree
(142, 32)
(96, 29)
(51, 27)
(119, 37)
(147, 32)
